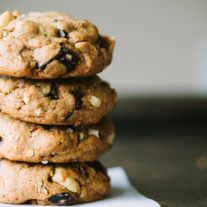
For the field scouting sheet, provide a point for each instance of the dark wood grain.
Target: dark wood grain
(166, 159)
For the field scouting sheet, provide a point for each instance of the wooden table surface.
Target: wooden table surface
(170, 167)
(166, 161)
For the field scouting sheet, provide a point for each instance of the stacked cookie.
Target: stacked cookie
(53, 127)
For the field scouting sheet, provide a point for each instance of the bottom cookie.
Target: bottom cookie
(52, 184)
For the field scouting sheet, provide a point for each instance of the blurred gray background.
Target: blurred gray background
(161, 45)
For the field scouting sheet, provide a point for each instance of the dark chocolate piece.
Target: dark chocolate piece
(68, 116)
(78, 98)
(61, 199)
(53, 94)
(69, 63)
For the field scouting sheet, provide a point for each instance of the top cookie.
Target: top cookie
(51, 45)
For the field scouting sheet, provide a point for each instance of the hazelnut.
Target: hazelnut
(95, 101)
(5, 18)
(65, 180)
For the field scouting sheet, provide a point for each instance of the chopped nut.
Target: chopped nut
(69, 130)
(44, 162)
(93, 132)
(30, 153)
(16, 13)
(5, 18)
(110, 138)
(68, 57)
(46, 89)
(80, 45)
(63, 179)
(81, 135)
(42, 30)
(45, 190)
(95, 101)
(40, 184)
(26, 100)
(38, 111)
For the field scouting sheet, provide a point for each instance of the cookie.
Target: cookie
(60, 102)
(52, 184)
(51, 45)
(23, 141)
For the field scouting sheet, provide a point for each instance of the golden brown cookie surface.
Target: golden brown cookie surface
(51, 45)
(52, 184)
(23, 141)
(60, 102)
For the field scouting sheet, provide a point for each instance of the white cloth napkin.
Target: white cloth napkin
(123, 194)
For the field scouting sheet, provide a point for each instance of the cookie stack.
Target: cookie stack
(53, 127)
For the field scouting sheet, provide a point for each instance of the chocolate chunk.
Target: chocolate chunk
(62, 57)
(61, 199)
(62, 33)
(78, 98)
(97, 166)
(53, 94)
(102, 42)
(68, 116)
